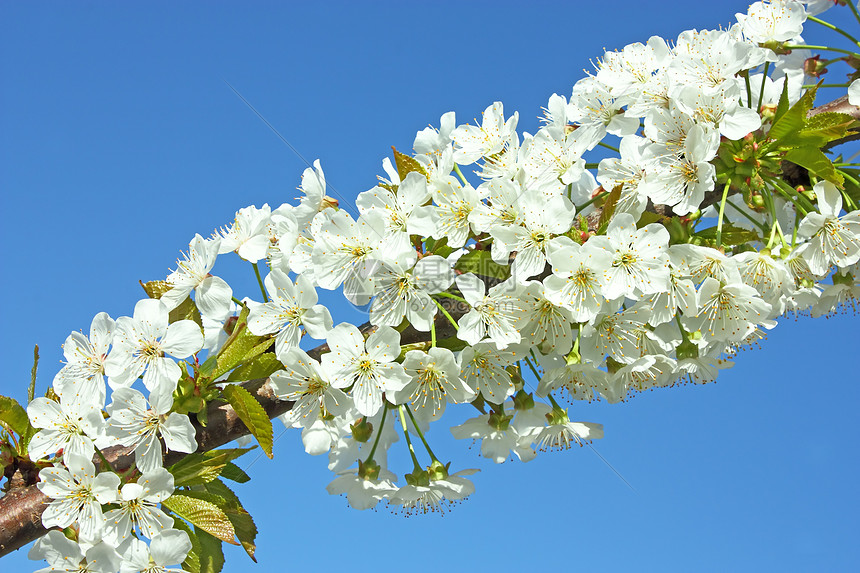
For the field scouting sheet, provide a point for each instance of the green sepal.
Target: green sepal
(252, 415)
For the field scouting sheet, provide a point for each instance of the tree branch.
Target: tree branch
(21, 508)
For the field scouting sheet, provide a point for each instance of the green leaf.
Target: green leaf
(252, 414)
(406, 164)
(482, 263)
(211, 556)
(794, 119)
(453, 344)
(192, 560)
(186, 310)
(202, 467)
(829, 124)
(243, 523)
(609, 207)
(438, 247)
(648, 217)
(234, 473)
(13, 416)
(154, 289)
(31, 391)
(262, 366)
(731, 235)
(816, 162)
(851, 188)
(206, 555)
(782, 107)
(203, 513)
(240, 347)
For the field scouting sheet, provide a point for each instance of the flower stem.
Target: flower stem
(460, 175)
(761, 226)
(420, 433)
(761, 91)
(260, 282)
(378, 432)
(532, 368)
(778, 185)
(105, 463)
(433, 333)
(749, 89)
(854, 9)
(681, 327)
(454, 296)
(589, 202)
(415, 463)
(447, 315)
(836, 29)
(827, 48)
(236, 300)
(722, 212)
(848, 199)
(607, 146)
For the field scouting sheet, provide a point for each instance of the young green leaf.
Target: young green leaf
(816, 162)
(482, 263)
(186, 310)
(262, 366)
(202, 513)
(13, 416)
(794, 119)
(234, 473)
(609, 207)
(192, 560)
(731, 235)
(241, 347)
(406, 164)
(31, 391)
(243, 524)
(202, 467)
(252, 415)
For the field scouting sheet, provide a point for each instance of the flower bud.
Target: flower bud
(500, 421)
(368, 469)
(362, 430)
(523, 401)
(814, 66)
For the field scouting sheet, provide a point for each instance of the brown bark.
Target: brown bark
(21, 508)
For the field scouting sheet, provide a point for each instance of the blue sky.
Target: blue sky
(119, 140)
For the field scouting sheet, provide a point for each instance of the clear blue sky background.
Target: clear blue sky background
(119, 140)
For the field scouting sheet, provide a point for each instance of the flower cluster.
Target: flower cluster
(544, 277)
